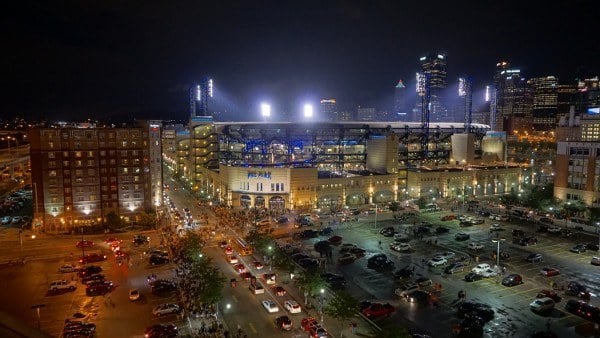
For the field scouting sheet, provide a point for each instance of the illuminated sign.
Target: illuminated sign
(259, 174)
(593, 111)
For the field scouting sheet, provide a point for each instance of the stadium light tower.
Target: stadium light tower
(308, 111)
(265, 110)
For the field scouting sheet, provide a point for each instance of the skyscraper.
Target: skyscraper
(545, 102)
(399, 102)
(513, 100)
(328, 110)
(434, 66)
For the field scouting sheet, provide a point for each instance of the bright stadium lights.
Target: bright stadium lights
(265, 110)
(308, 110)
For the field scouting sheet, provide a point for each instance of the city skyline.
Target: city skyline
(102, 60)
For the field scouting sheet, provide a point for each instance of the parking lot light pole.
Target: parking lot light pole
(497, 241)
(598, 229)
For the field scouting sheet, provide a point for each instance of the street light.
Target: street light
(270, 259)
(321, 301)
(497, 241)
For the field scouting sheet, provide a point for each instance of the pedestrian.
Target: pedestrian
(354, 325)
(414, 267)
(380, 244)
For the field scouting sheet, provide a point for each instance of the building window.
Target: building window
(52, 173)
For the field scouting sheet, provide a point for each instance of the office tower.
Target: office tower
(513, 100)
(545, 102)
(81, 174)
(588, 93)
(328, 110)
(434, 67)
(400, 109)
(365, 114)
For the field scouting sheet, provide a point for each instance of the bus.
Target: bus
(245, 249)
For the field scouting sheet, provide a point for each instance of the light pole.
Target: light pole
(321, 301)
(270, 259)
(598, 226)
(497, 241)
(375, 215)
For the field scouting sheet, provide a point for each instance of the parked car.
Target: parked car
(512, 280)
(98, 289)
(380, 262)
(461, 236)
(550, 294)
(378, 310)
(405, 289)
(579, 248)
(158, 260)
(479, 268)
(442, 230)
(449, 217)
(387, 231)
(475, 246)
(454, 267)
(90, 269)
(405, 272)
(423, 281)
(550, 272)
(487, 273)
(527, 241)
(62, 284)
(437, 261)
(166, 309)
(418, 296)
(68, 268)
(335, 240)
(473, 277)
(400, 247)
(542, 304)
(534, 258)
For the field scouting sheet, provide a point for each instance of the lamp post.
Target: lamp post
(497, 241)
(270, 259)
(375, 215)
(321, 301)
(598, 226)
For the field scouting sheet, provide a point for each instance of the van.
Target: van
(256, 288)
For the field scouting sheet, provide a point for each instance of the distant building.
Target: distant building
(433, 67)
(545, 102)
(82, 174)
(513, 100)
(400, 108)
(200, 94)
(365, 114)
(328, 110)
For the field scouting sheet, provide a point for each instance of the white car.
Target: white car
(292, 306)
(165, 309)
(62, 285)
(480, 268)
(232, 259)
(6, 220)
(542, 304)
(495, 227)
(554, 229)
(437, 261)
(487, 273)
(401, 247)
(475, 246)
(68, 268)
(270, 306)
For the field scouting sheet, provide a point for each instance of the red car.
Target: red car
(549, 272)
(112, 240)
(84, 244)
(246, 275)
(308, 323)
(378, 309)
(229, 250)
(550, 294)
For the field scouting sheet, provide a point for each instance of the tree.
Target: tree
(147, 220)
(190, 247)
(342, 307)
(394, 206)
(311, 282)
(113, 221)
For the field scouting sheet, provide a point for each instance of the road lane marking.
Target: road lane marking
(252, 328)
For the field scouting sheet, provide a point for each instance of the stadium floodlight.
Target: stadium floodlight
(308, 110)
(265, 110)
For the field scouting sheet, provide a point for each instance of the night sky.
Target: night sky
(120, 59)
